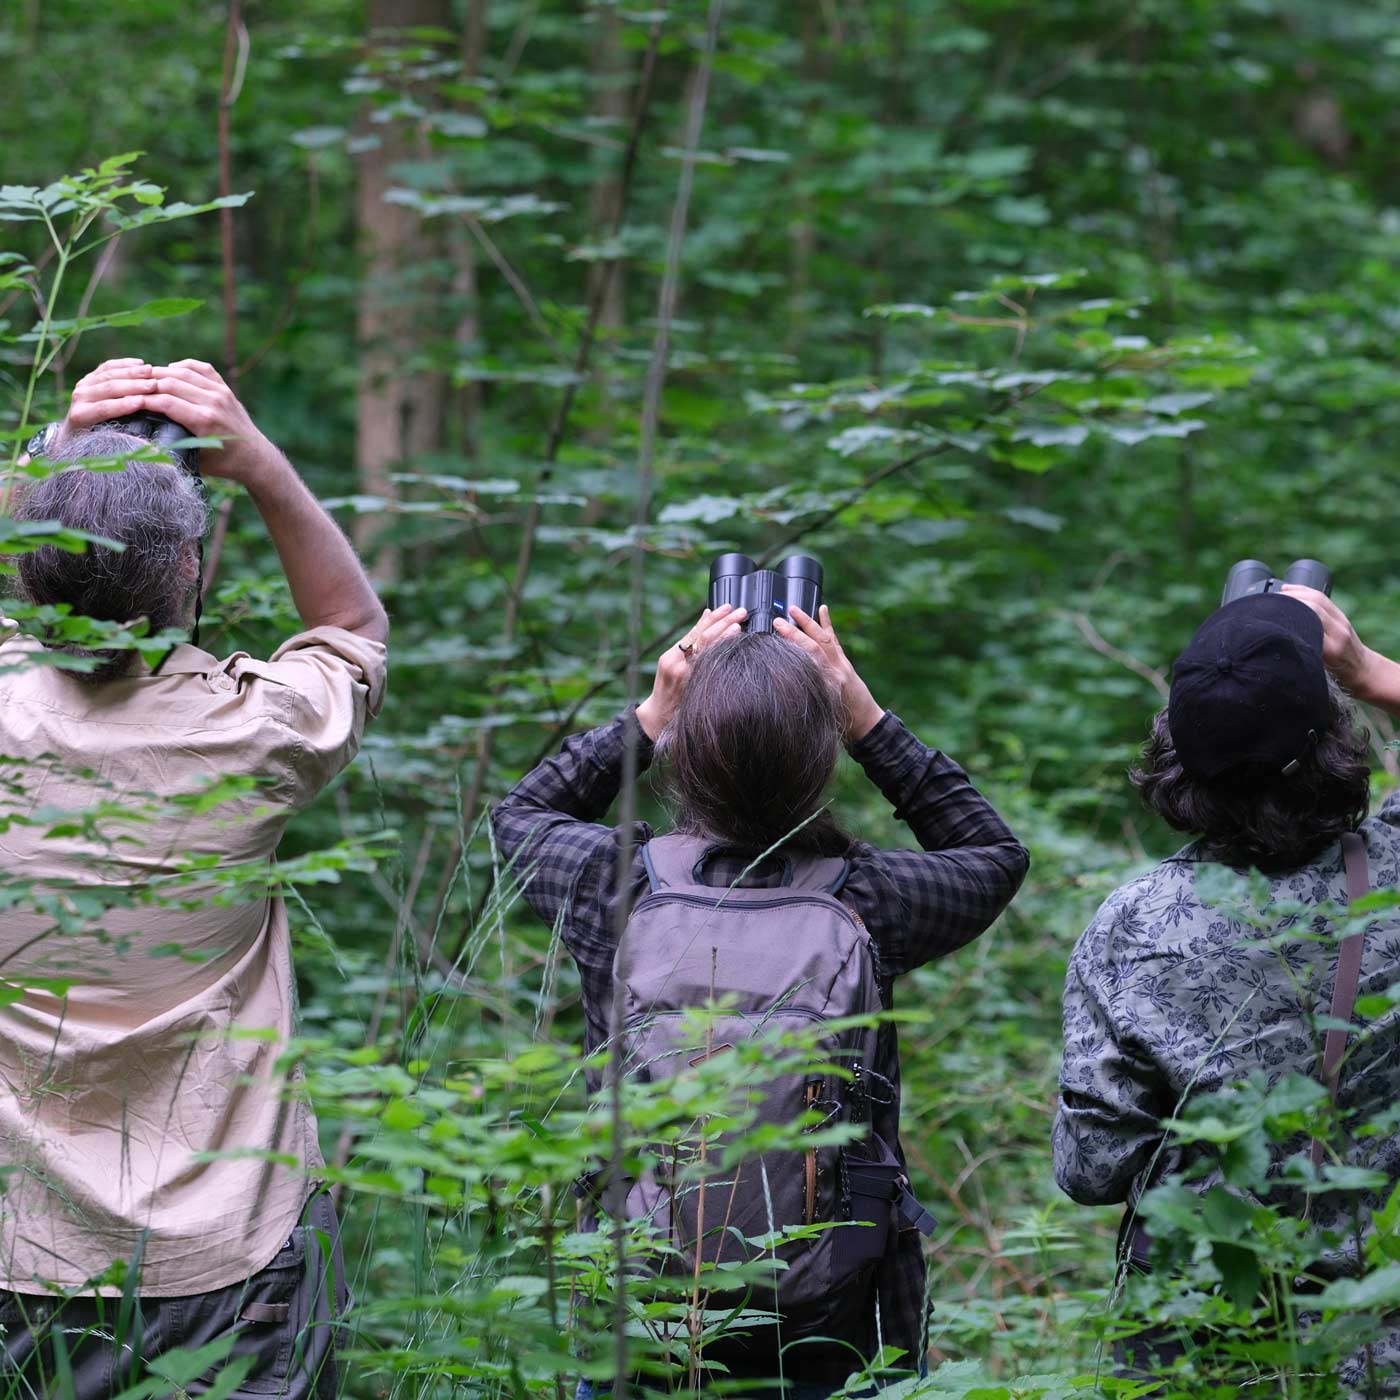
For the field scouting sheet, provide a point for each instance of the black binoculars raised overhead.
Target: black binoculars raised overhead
(766, 593)
(160, 431)
(1251, 576)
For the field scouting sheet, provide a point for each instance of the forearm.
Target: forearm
(581, 781)
(928, 790)
(1378, 683)
(329, 585)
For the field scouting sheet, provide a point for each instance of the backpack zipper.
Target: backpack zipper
(719, 906)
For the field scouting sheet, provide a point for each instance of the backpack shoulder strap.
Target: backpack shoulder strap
(1348, 976)
(820, 874)
(1348, 960)
(677, 862)
(670, 861)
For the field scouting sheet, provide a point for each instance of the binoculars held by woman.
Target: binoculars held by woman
(1252, 576)
(766, 593)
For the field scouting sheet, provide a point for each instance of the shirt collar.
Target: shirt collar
(183, 660)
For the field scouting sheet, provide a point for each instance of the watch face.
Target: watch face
(40, 441)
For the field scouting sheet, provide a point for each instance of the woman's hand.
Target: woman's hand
(818, 640)
(1342, 651)
(673, 667)
(1364, 673)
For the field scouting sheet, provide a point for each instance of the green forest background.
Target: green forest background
(1028, 319)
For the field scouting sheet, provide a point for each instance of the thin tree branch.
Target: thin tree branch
(517, 283)
(236, 47)
(1155, 678)
(646, 458)
(99, 271)
(582, 357)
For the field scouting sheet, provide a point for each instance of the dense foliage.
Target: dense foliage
(1028, 319)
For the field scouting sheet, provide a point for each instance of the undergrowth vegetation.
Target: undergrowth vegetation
(1027, 320)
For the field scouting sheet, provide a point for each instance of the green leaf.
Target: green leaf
(1239, 1272)
(1377, 1292)
(704, 510)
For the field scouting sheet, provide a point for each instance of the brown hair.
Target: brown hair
(151, 507)
(752, 747)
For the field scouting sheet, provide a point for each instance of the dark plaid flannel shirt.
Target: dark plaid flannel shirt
(917, 905)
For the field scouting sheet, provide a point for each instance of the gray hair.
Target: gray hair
(152, 507)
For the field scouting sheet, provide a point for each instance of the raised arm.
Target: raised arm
(918, 905)
(551, 819)
(1363, 673)
(329, 586)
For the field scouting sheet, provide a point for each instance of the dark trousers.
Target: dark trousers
(282, 1321)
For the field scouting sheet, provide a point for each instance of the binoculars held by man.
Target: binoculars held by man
(766, 593)
(161, 432)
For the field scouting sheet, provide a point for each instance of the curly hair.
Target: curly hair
(1264, 819)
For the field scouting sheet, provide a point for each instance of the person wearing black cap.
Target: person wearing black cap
(1260, 757)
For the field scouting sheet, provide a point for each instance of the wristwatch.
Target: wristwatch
(42, 440)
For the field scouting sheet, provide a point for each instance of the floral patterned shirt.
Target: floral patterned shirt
(1184, 983)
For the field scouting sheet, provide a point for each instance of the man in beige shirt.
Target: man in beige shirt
(146, 988)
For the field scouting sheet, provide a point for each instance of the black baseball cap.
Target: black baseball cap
(1250, 692)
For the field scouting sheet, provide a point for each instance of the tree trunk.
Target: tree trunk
(802, 231)
(466, 335)
(399, 413)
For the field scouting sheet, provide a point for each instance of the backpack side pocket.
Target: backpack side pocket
(875, 1181)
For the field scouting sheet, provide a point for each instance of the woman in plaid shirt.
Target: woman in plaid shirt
(751, 752)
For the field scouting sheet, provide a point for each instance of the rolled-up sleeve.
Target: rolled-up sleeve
(1112, 1098)
(323, 686)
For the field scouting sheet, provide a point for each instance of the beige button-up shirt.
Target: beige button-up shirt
(145, 968)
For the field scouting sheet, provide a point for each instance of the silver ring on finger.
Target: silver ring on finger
(687, 648)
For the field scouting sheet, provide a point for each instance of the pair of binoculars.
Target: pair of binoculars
(161, 432)
(1252, 576)
(766, 593)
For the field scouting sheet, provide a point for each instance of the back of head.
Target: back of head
(151, 507)
(1258, 816)
(753, 745)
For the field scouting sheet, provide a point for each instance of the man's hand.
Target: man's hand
(190, 393)
(1366, 674)
(673, 666)
(114, 389)
(818, 640)
(194, 395)
(328, 585)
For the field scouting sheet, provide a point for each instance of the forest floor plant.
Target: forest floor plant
(460, 1099)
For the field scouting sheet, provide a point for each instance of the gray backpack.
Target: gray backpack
(774, 960)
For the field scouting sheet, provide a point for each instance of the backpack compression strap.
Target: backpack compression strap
(678, 862)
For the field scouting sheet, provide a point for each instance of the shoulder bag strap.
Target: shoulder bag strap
(1348, 973)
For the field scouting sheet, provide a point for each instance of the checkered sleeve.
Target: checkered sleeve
(549, 833)
(920, 905)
